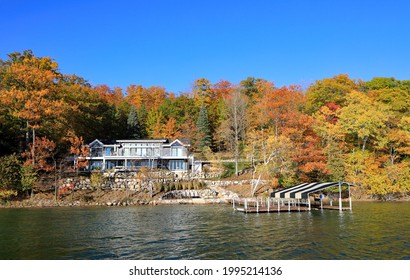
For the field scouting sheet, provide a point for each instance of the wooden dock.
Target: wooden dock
(271, 210)
(279, 205)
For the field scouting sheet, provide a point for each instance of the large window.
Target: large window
(177, 165)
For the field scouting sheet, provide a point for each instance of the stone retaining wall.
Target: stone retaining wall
(131, 180)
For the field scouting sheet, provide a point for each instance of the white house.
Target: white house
(173, 155)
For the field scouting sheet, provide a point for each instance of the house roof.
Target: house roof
(102, 142)
(183, 141)
(143, 141)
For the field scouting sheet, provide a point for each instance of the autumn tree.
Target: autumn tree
(39, 161)
(170, 129)
(136, 95)
(330, 90)
(378, 83)
(234, 127)
(111, 96)
(43, 152)
(202, 92)
(277, 166)
(79, 150)
(249, 87)
(364, 118)
(332, 138)
(28, 92)
(222, 89)
(397, 100)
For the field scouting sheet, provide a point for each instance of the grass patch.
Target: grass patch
(230, 168)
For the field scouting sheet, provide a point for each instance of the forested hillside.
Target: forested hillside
(336, 129)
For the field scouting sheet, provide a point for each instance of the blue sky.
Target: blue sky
(172, 43)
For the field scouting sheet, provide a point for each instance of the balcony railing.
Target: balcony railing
(180, 153)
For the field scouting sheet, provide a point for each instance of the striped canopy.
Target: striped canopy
(303, 190)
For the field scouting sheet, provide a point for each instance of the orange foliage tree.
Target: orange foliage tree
(79, 151)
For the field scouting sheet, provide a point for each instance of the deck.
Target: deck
(280, 205)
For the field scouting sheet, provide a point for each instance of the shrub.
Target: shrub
(97, 180)
(10, 176)
(28, 177)
(7, 194)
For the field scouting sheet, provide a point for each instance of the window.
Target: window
(96, 152)
(176, 152)
(96, 165)
(177, 165)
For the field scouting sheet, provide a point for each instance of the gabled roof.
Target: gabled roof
(185, 141)
(181, 141)
(96, 142)
(176, 142)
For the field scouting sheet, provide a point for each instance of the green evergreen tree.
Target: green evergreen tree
(204, 129)
(133, 124)
(142, 118)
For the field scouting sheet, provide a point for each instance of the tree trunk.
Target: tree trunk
(27, 134)
(364, 142)
(34, 147)
(235, 117)
(392, 154)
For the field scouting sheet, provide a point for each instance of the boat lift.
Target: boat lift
(296, 198)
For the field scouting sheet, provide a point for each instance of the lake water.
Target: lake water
(371, 231)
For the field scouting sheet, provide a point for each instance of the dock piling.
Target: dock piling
(257, 205)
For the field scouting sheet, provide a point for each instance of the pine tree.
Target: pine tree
(133, 124)
(204, 129)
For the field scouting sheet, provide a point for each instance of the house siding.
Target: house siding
(134, 154)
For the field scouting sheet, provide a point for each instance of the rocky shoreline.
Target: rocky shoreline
(143, 192)
(211, 194)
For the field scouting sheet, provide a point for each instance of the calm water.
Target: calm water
(371, 231)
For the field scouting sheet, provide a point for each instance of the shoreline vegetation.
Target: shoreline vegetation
(116, 199)
(336, 129)
(126, 197)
